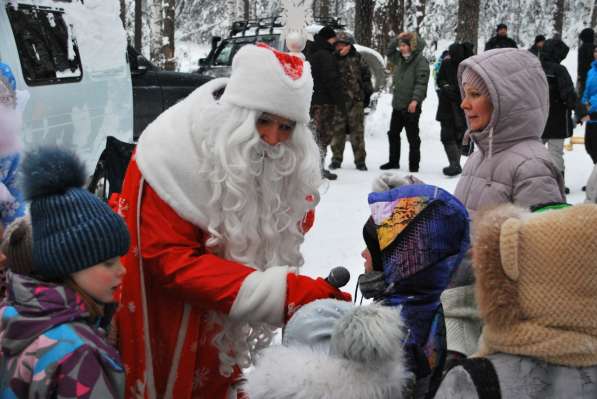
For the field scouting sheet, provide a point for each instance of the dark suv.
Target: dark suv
(155, 90)
(269, 30)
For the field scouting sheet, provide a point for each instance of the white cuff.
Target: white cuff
(261, 297)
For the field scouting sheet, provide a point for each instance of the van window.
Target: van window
(47, 50)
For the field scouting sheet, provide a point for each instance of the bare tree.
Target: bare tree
(138, 25)
(388, 21)
(467, 29)
(594, 15)
(168, 28)
(155, 48)
(363, 21)
(558, 15)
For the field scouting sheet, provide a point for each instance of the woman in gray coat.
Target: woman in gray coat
(506, 103)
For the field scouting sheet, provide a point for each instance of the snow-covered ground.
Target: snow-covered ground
(336, 239)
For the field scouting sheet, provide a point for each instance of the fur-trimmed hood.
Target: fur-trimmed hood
(302, 373)
(535, 283)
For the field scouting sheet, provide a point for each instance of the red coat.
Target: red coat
(178, 270)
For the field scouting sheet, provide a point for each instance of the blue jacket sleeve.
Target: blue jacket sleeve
(12, 205)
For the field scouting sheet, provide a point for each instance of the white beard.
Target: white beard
(259, 192)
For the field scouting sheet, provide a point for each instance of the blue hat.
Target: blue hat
(72, 228)
(8, 76)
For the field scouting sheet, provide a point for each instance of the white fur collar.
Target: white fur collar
(167, 158)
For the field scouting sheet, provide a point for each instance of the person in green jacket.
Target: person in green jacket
(411, 76)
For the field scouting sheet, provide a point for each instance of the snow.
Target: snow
(98, 31)
(188, 54)
(337, 238)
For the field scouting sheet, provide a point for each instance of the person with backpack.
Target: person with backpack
(562, 100)
(537, 295)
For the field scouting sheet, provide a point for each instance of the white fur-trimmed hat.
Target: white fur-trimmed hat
(270, 81)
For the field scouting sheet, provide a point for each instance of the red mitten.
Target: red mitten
(300, 290)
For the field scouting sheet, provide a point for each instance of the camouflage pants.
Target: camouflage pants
(322, 124)
(352, 124)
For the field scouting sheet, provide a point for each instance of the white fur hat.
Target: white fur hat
(270, 81)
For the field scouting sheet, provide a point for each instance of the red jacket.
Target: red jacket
(178, 271)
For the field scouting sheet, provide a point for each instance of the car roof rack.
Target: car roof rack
(334, 23)
(242, 26)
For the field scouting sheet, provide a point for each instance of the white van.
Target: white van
(71, 58)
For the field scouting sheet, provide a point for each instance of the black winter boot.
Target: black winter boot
(394, 162)
(453, 153)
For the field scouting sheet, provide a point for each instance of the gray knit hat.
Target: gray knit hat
(17, 246)
(470, 77)
(72, 228)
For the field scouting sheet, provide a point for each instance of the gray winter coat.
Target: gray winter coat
(525, 378)
(512, 165)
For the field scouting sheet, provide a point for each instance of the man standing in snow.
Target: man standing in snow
(356, 80)
(328, 98)
(411, 77)
(501, 39)
(216, 199)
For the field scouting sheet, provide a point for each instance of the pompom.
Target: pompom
(49, 171)
(369, 334)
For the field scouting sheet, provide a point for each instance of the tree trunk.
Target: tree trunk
(396, 10)
(363, 18)
(558, 16)
(123, 13)
(419, 13)
(138, 25)
(467, 29)
(321, 8)
(168, 28)
(594, 15)
(246, 9)
(409, 21)
(155, 48)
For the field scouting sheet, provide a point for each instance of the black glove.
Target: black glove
(467, 148)
(367, 100)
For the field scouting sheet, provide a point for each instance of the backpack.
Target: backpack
(483, 375)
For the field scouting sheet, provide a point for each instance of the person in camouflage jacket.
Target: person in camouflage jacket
(411, 76)
(356, 80)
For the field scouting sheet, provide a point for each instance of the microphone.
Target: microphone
(338, 277)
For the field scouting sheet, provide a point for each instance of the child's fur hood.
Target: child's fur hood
(495, 289)
(301, 373)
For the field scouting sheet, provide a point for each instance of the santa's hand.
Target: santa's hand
(302, 289)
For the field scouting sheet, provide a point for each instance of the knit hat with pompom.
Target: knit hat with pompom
(72, 229)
